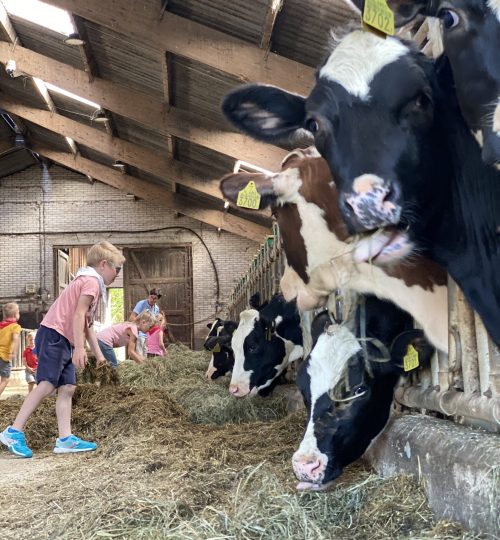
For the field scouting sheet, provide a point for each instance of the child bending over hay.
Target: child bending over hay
(124, 334)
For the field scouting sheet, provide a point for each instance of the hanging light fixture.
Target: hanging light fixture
(99, 116)
(74, 40)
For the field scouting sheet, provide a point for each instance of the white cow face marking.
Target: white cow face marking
(494, 5)
(240, 380)
(361, 56)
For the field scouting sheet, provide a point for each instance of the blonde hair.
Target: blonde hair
(10, 310)
(30, 335)
(145, 317)
(161, 320)
(104, 251)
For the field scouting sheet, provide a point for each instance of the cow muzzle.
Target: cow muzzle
(239, 390)
(372, 203)
(310, 468)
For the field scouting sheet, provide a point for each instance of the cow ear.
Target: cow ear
(264, 112)
(232, 184)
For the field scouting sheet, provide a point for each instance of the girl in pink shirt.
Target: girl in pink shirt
(154, 340)
(124, 334)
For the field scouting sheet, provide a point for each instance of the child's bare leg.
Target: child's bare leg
(4, 381)
(30, 404)
(31, 385)
(63, 409)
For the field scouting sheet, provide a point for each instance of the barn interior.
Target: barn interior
(111, 129)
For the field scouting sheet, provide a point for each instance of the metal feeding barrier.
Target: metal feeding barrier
(263, 275)
(463, 386)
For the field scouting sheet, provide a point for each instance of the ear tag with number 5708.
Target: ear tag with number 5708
(378, 15)
(249, 197)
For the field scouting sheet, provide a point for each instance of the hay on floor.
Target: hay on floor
(156, 474)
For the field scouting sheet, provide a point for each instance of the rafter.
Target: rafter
(7, 25)
(119, 149)
(139, 20)
(151, 192)
(85, 49)
(267, 32)
(144, 109)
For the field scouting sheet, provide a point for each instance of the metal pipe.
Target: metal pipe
(452, 403)
(462, 339)
(483, 354)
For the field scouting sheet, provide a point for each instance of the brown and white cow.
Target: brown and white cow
(322, 257)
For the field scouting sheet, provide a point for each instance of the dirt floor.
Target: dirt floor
(158, 474)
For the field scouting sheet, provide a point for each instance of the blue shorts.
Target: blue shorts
(108, 352)
(4, 369)
(54, 353)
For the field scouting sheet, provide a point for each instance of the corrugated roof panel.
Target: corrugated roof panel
(93, 155)
(15, 160)
(125, 61)
(47, 42)
(204, 162)
(76, 110)
(143, 175)
(302, 29)
(45, 136)
(199, 89)
(239, 18)
(21, 89)
(137, 133)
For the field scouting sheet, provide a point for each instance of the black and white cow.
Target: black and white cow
(387, 120)
(346, 413)
(218, 341)
(471, 36)
(264, 344)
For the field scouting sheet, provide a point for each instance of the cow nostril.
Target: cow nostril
(392, 193)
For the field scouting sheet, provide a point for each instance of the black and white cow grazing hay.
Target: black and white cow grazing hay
(157, 475)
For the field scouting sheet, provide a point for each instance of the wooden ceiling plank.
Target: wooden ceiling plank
(138, 19)
(151, 192)
(144, 109)
(119, 149)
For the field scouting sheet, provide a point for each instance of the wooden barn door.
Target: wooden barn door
(168, 268)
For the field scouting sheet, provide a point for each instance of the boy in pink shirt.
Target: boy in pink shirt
(124, 334)
(60, 347)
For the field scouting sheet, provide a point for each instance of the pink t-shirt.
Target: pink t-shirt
(116, 335)
(62, 311)
(153, 342)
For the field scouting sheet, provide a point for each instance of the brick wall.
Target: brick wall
(73, 211)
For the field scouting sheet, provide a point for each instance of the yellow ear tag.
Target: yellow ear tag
(249, 197)
(410, 360)
(216, 348)
(378, 15)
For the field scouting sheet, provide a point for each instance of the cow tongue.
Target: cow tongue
(368, 247)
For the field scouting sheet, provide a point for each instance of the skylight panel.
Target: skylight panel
(71, 95)
(41, 13)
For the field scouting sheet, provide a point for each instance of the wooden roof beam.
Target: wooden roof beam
(267, 32)
(144, 109)
(6, 25)
(85, 49)
(138, 20)
(119, 149)
(151, 192)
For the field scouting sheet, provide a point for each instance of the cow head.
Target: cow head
(264, 343)
(370, 113)
(348, 405)
(471, 36)
(218, 341)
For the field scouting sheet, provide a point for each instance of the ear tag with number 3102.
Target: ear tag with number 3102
(378, 15)
(249, 197)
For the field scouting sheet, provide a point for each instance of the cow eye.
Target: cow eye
(449, 18)
(312, 125)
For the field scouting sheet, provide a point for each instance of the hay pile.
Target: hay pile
(156, 474)
(182, 374)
